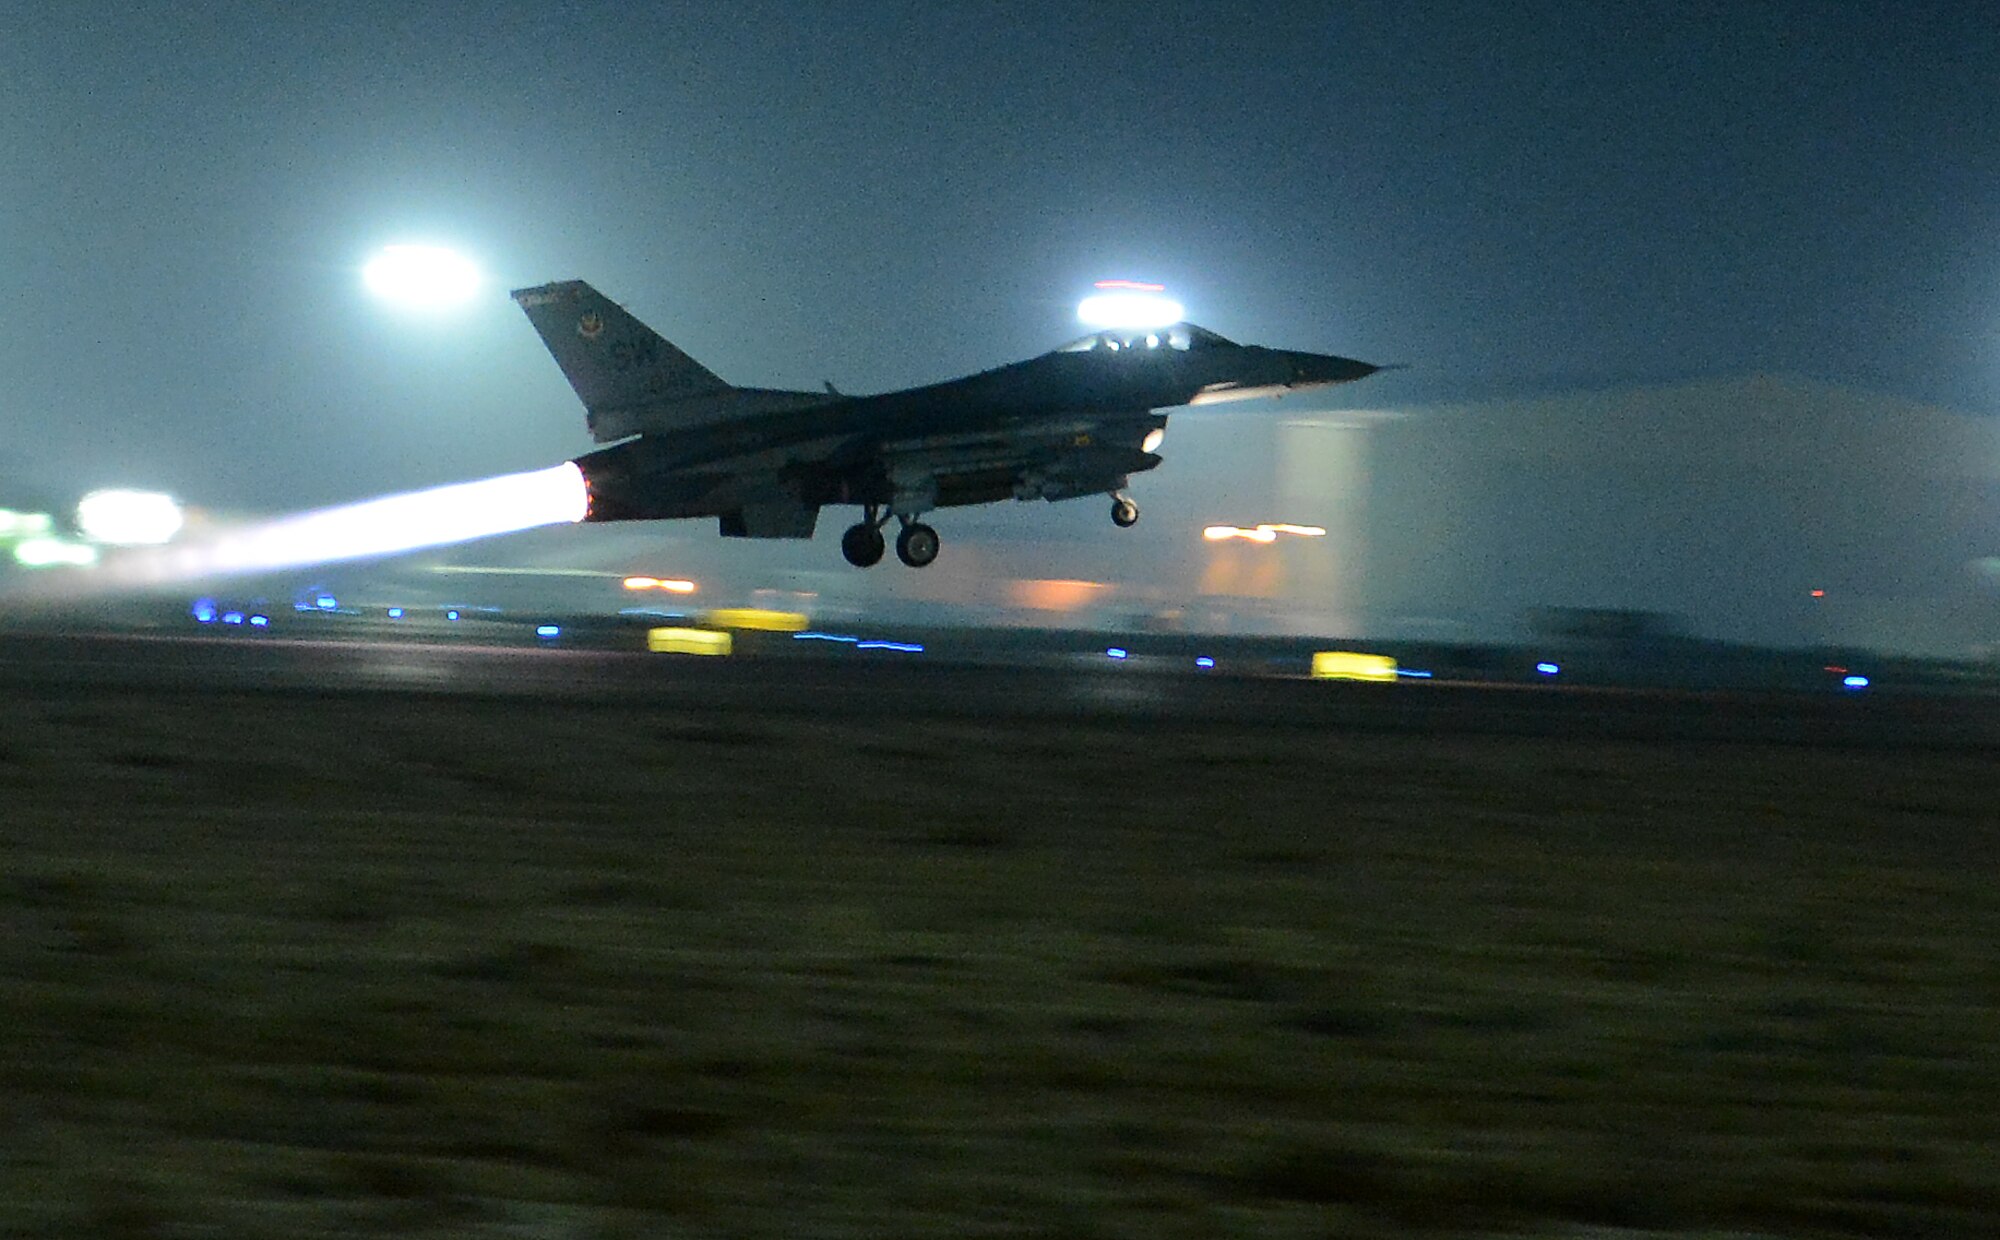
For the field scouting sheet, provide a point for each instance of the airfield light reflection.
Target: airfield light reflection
(388, 526)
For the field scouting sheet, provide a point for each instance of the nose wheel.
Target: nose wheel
(1124, 513)
(917, 545)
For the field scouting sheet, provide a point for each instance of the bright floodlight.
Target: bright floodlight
(1129, 309)
(421, 277)
(128, 518)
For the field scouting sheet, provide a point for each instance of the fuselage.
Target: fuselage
(1080, 411)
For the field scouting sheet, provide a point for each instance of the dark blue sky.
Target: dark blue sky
(1505, 196)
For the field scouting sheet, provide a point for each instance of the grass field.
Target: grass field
(277, 966)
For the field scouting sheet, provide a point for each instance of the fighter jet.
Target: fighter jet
(1078, 421)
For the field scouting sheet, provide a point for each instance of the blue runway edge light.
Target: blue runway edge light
(1204, 661)
(1856, 682)
(262, 622)
(1115, 652)
(395, 613)
(548, 630)
(1548, 669)
(204, 610)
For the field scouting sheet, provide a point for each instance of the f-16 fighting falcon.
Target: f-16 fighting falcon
(1078, 421)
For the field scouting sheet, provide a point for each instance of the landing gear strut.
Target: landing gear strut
(862, 543)
(1124, 513)
(917, 545)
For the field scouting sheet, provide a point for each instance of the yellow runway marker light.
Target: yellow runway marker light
(688, 641)
(760, 619)
(1352, 665)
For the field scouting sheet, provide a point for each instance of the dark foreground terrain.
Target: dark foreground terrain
(291, 964)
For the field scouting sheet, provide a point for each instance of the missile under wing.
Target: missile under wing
(1077, 421)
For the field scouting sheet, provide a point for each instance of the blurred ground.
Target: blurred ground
(300, 963)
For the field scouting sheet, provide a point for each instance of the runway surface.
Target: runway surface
(783, 678)
(478, 935)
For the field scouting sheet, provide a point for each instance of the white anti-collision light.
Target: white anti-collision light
(1154, 438)
(129, 518)
(421, 277)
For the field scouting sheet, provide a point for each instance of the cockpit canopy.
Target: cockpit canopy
(1181, 336)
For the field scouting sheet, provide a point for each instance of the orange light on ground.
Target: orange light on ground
(1054, 593)
(1261, 533)
(672, 585)
(1819, 593)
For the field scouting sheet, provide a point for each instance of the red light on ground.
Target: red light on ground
(1136, 286)
(1838, 671)
(1819, 593)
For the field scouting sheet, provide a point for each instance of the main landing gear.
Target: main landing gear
(917, 545)
(862, 544)
(1124, 513)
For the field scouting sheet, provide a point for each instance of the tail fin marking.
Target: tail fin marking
(620, 367)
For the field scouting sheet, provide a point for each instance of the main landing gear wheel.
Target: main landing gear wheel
(862, 544)
(1124, 513)
(917, 545)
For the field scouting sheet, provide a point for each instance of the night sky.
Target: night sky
(1507, 197)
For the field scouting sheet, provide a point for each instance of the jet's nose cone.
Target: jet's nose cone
(1315, 369)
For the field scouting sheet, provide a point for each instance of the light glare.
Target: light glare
(421, 277)
(128, 518)
(1130, 310)
(50, 552)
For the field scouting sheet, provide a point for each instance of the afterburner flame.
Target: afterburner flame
(377, 527)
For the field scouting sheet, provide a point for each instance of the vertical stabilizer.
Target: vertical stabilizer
(621, 369)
